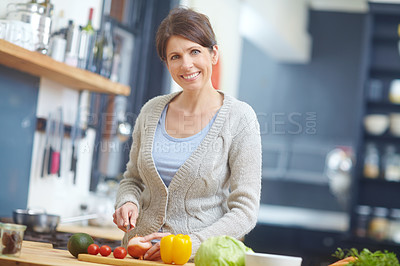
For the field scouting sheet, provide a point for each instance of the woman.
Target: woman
(195, 161)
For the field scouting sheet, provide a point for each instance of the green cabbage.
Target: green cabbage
(221, 251)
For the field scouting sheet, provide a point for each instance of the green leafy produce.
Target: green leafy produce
(368, 258)
(221, 251)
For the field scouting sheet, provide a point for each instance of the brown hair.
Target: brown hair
(186, 23)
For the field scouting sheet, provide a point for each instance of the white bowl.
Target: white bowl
(263, 259)
(376, 124)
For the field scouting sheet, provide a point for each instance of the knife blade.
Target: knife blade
(46, 145)
(75, 134)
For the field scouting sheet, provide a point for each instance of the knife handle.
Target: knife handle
(50, 160)
(55, 162)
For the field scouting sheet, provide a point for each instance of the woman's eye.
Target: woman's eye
(174, 57)
(195, 51)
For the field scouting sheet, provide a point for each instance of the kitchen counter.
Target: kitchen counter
(112, 233)
(36, 253)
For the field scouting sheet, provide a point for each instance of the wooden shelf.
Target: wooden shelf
(41, 65)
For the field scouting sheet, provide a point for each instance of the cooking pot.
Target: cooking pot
(42, 222)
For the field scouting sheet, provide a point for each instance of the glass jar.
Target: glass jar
(394, 227)
(11, 239)
(391, 164)
(371, 161)
(363, 213)
(379, 225)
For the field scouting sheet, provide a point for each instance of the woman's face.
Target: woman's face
(190, 64)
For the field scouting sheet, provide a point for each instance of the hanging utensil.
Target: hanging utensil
(46, 146)
(55, 148)
(75, 133)
(61, 139)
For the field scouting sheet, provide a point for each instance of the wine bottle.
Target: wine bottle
(103, 52)
(107, 51)
(86, 43)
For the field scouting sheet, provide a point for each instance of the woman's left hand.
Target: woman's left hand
(154, 252)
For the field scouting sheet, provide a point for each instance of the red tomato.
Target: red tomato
(120, 253)
(105, 250)
(93, 249)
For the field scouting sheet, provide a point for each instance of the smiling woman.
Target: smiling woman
(195, 161)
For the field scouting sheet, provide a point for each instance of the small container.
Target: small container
(11, 239)
(379, 225)
(363, 213)
(391, 164)
(371, 161)
(394, 227)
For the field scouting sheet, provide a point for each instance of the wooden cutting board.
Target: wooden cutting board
(127, 261)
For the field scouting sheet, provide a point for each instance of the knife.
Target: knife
(61, 129)
(46, 145)
(75, 133)
(56, 143)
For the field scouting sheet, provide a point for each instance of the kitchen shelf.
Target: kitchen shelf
(41, 65)
(385, 71)
(383, 105)
(379, 193)
(385, 138)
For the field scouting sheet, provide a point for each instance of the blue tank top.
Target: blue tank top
(170, 153)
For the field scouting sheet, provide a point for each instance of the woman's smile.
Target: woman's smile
(191, 76)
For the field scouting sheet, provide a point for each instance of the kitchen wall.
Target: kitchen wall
(53, 192)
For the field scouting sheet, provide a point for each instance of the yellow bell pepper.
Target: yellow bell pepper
(176, 249)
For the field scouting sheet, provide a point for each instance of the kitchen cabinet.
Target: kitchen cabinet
(381, 65)
(40, 65)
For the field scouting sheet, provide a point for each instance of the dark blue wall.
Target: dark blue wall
(18, 101)
(328, 87)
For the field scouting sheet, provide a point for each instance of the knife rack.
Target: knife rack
(41, 127)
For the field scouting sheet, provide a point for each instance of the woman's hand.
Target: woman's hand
(154, 252)
(125, 216)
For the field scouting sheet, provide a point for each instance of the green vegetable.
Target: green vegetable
(368, 258)
(221, 251)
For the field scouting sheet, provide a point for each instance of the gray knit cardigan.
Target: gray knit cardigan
(215, 192)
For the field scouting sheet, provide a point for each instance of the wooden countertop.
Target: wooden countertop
(112, 233)
(40, 65)
(36, 253)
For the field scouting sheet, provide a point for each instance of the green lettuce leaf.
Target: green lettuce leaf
(221, 251)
